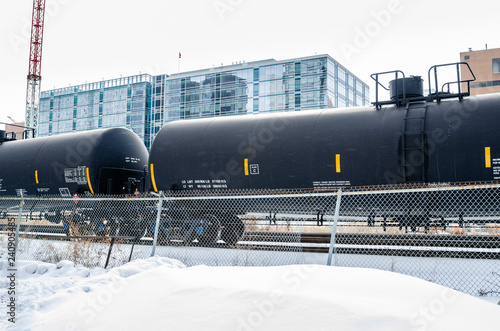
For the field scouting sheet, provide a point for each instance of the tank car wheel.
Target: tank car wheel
(77, 229)
(167, 231)
(76, 225)
(56, 218)
(188, 234)
(113, 224)
(176, 233)
(101, 228)
(136, 229)
(150, 230)
(232, 229)
(67, 228)
(207, 229)
(172, 232)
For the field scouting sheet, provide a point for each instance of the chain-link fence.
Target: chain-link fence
(238, 228)
(445, 234)
(449, 235)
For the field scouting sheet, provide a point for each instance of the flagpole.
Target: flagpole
(179, 63)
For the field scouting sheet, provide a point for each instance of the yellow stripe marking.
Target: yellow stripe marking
(88, 181)
(246, 167)
(36, 176)
(337, 162)
(153, 177)
(487, 157)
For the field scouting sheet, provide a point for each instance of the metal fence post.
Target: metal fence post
(157, 225)
(21, 204)
(334, 229)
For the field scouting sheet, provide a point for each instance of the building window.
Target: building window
(466, 57)
(496, 66)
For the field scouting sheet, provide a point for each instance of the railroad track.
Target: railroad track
(49, 229)
(412, 244)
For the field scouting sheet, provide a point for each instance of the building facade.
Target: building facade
(121, 102)
(485, 65)
(146, 103)
(17, 128)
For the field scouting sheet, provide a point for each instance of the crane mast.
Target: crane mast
(35, 64)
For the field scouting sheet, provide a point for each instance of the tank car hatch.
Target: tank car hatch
(410, 87)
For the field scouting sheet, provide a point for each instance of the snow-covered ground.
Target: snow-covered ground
(471, 276)
(162, 294)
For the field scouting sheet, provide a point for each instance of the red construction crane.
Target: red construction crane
(35, 66)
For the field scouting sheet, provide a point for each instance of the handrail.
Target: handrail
(437, 95)
(377, 83)
(460, 94)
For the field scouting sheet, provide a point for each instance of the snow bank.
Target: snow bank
(160, 293)
(42, 285)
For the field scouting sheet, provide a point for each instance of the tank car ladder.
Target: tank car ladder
(413, 156)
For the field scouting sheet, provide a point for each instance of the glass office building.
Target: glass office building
(145, 103)
(121, 102)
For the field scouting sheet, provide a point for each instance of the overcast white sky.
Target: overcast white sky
(88, 40)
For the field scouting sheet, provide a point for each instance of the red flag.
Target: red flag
(179, 55)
